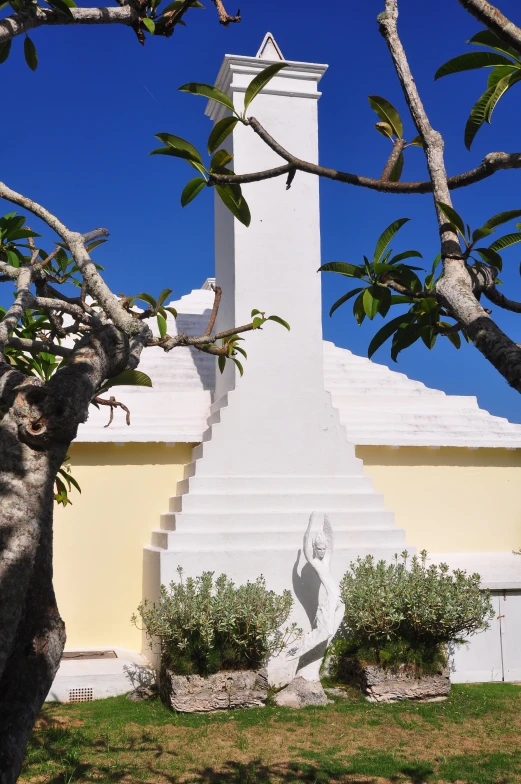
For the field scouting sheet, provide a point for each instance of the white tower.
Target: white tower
(275, 450)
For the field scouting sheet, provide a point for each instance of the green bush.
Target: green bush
(407, 612)
(205, 625)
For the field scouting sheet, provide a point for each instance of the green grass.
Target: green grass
(474, 737)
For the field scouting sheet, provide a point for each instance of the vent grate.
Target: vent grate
(80, 695)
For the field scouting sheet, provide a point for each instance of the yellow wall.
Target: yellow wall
(447, 500)
(450, 500)
(99, 540)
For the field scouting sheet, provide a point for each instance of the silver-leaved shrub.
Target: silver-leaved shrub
(204, 625)
(408, 611)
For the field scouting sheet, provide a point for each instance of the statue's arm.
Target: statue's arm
(328, 533)
(308, 546)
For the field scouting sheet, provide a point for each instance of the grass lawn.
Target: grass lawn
(473, 737)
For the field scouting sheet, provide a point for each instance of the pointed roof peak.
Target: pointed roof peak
(269, 49)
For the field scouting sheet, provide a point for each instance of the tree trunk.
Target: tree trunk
(40, 422)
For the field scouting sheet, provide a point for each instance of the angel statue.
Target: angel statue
(330, 609)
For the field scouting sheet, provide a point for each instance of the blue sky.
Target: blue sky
(78, 131)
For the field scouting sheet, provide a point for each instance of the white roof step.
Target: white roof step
(282, 539)
(251, 502)
(274, 520)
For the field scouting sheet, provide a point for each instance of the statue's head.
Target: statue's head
(319, 545)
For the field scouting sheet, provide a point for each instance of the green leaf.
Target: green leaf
(12, 258)
(358, 308)
(221, 362)
(407, 254)
(191, 190)
(428, 334)
(478, 234)
(179, 145)
(161, 324)
(387, 330)
(387, 113)
(171, 310)
(64, 6)
(130, 378)
(342, 268)
(490, 256)
(477, 117)
(148, 298)
(498, 73)
(500, 89)
(470, 61)
(376, 299)
(177, 4)
(5, 48)
(279, 321)
(208, 91)
(506, 241)
(397, 169)
(163, 296)
(241, 370)
(93, 245)
(220, 132)
(343, 299)
(385, 129)
(149, 24)
(221, 158)
(416, 142)
(238, 207)
(386, 237)
(500, 218)
(404, 338)
(22, 234)
(31, 56)
(454, 218)
(488, 38)
(260, 81)
(454, 337)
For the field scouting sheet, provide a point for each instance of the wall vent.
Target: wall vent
(80, 695)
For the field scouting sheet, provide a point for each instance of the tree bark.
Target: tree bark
(40, 422)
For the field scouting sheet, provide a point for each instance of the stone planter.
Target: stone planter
(379, 685)
(221, 691)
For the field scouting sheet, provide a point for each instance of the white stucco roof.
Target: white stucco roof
(376, 405)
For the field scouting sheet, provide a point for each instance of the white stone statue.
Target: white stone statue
(330, 609)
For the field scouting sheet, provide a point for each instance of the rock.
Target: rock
(337, 691)
(143, 693)
(300, 693)
(221, 691)
(381, 685)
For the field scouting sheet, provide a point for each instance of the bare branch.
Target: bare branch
(24, 344)
(492, 163)
(225, 18)
(113, 403)
(500, 300)
(397, 150)
(491, 17)
(9, 272)
(15, 312)
(32, 17)
(217, 301)
(73, 310)
(76, 244)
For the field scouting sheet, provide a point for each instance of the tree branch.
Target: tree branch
(28, 19)
(217, 301)
(15, 312)
(499, 299)
(24, 344)
(113, 403)
(455, 287)
(225, 18)
(397, 150)
(492, 163)
(491, 17)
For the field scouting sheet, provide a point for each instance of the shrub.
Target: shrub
(205, 625)
(407, 612)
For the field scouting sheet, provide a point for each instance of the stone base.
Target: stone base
(300, 693)
(221, 691)
(379, 685)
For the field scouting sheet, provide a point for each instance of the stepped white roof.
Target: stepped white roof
(376, 405)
